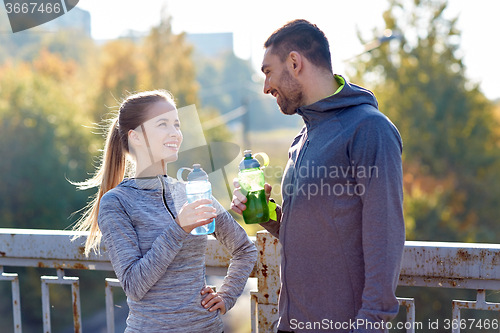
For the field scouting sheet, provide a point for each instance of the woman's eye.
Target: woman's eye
(178, 125)
(163, 124)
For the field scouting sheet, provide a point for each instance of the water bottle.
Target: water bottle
(198, 187)
(251, 179)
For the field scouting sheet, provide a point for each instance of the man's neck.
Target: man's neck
(321, 87)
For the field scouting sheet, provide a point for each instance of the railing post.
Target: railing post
(268, 274)
(75, 291)
(409, 303)
(110, 310)
(16, 299)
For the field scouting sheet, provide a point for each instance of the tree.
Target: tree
(43, 145)
(119, 72)
(450, 133)
(448, 127)
(169, 63)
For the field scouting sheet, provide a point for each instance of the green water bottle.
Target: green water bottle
(251, 179)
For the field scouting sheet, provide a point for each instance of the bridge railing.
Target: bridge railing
(425, 264)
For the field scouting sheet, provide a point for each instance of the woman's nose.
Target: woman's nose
(174, 132)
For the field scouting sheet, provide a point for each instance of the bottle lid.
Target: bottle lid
(248, 162)
(198, 174)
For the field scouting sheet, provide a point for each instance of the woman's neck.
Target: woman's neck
(152, 170)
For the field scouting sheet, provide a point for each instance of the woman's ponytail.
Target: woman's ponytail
(108, 176)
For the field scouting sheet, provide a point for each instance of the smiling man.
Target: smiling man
(342, 233)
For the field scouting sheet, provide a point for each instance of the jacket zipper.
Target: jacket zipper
(302, 151)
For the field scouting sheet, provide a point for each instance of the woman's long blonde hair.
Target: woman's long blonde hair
(114, 162)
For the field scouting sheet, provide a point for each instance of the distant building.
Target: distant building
(211, 44)
(76, 18)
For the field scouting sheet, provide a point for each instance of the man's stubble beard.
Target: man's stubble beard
(294, 97)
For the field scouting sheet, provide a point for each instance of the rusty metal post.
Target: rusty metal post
(409, 303)
(479, 304)
(75, 297)
(110, 309)
(75, 290)
(265, 299)
(16, 299)
(253, 311)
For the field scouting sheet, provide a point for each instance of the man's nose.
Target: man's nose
(267, 87)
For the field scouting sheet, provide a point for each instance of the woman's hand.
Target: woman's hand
(195, 214)
(212, 301)
(239, 199)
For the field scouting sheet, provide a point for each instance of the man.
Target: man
(341, 224)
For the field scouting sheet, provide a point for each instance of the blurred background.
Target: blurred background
(431, 64)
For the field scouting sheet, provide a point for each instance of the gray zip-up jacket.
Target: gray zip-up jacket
(342, 229)
(161, 267)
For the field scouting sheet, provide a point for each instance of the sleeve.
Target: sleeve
(376, 148)
(274, 226)
(243, 254)
(136, 273)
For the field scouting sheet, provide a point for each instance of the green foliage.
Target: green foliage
(450, 133)
(42, 145)
(168, 59)
(447, 125)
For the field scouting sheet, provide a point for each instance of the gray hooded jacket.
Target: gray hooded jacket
(342, 229)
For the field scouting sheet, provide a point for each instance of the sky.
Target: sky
(253, 21)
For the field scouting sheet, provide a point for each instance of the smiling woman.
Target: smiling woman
(146, 229)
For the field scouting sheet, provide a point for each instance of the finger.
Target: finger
(202, 210)
(236, 209)
(199, 223)
(238, 194)
(207, 299)
(236, 183)
(200, 202)
(268, 188)
(200, 213)
(206, 290)
(219, 305)
(213, 301)
(237, 202)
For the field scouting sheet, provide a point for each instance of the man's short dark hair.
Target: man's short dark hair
(303, 37)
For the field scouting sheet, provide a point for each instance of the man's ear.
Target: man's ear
(295, 62)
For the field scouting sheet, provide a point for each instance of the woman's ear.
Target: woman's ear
(134, 138)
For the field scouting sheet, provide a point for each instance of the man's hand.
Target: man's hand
(238, 203)
(213, 301)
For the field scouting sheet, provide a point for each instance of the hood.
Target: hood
(350, 95)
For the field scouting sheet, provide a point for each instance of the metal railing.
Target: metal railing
(425, 264)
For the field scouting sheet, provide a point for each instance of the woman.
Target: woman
(145, 223)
